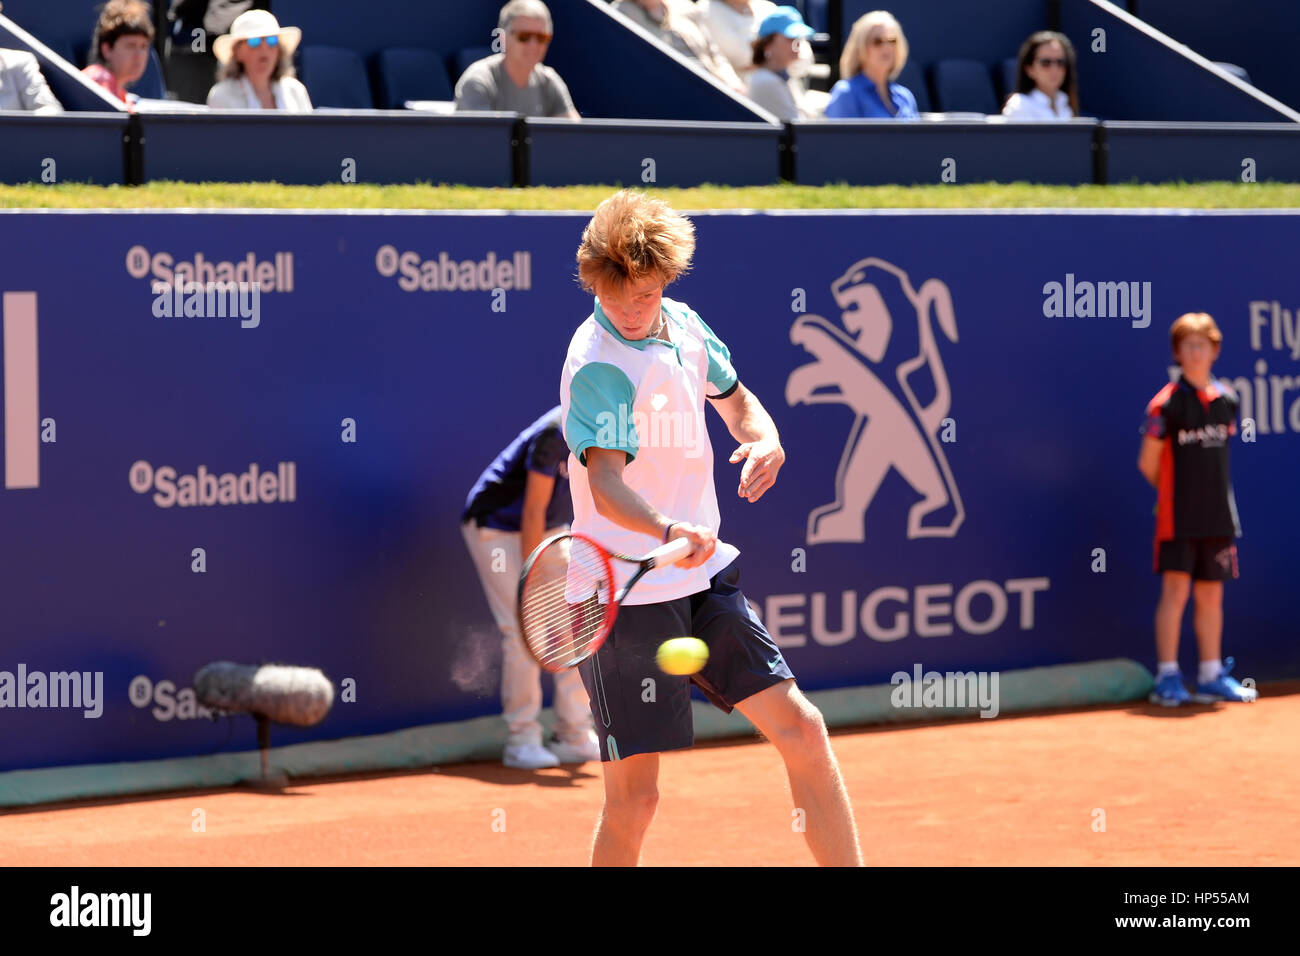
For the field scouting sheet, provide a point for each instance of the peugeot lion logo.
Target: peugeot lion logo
(898, 415)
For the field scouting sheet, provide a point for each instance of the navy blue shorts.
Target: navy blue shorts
(638, 708)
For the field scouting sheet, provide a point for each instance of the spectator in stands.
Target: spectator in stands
(516, 80)
(1046, 88)
(733, 25)
(676, 23)
(22, 87)
(123, 37)
(874, 54)
(777, 46)
(257, 66)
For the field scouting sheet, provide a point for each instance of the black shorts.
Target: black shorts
(638, 709)
(1205, 559)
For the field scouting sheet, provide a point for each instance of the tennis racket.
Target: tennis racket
(566, 602)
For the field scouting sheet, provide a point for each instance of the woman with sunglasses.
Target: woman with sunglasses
(1046, 88)
(873, 56)
(256, 59)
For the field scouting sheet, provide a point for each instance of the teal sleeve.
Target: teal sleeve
(721, 374)
(600, 411)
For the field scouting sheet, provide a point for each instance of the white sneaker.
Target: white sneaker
(579, 751)
(529, 757)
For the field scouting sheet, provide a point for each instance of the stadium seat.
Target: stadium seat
(914, 79)
(336, 78)
(465, 57)
(409, 73)
(963, 86)
(1006, 78)
(150, 86)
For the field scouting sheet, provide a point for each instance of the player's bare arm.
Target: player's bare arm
(617, 502)
(760, 444)
(1149, 459)
(532, 521)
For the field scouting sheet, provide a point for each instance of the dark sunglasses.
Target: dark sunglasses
(881, 41)
(1050, 62)
(255, 42)
(529, 37)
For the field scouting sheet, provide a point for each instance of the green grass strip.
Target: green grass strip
(172, 195)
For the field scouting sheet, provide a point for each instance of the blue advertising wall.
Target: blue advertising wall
(978, 490)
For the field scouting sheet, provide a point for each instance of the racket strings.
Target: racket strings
(561, 609)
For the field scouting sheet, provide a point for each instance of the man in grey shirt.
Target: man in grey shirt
(516, 81)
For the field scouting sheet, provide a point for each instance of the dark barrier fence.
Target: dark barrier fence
(562, 153)
(501, 149)
(76, 147)
(871, 152)
(1161, 152)
(282, 482)
(371, 146)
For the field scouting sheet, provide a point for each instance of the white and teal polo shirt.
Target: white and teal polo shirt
(646, 399)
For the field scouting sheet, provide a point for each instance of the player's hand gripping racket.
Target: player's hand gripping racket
(566, 601)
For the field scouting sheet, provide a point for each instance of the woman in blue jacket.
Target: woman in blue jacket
(873, 57)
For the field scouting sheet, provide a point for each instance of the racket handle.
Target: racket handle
(674, 550)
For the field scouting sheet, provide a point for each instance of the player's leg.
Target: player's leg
(639, 712)
(746, 671)
(784, 716)
(631, 796)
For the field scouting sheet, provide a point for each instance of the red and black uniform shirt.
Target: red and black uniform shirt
(1194, 490)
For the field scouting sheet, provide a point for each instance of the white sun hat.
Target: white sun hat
(255, 23)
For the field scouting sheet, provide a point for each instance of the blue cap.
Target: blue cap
(785, 21)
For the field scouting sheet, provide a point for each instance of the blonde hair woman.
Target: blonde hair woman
(873, 56)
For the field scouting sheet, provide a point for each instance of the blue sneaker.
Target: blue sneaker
(1169, 691)
(1224, 687)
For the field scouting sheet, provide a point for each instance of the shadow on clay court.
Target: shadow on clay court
(565, 776)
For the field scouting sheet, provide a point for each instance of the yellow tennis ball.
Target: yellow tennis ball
(682, 655)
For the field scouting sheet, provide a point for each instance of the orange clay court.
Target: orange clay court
(1199, 785)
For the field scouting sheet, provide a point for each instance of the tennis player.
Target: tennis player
(632, 397)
